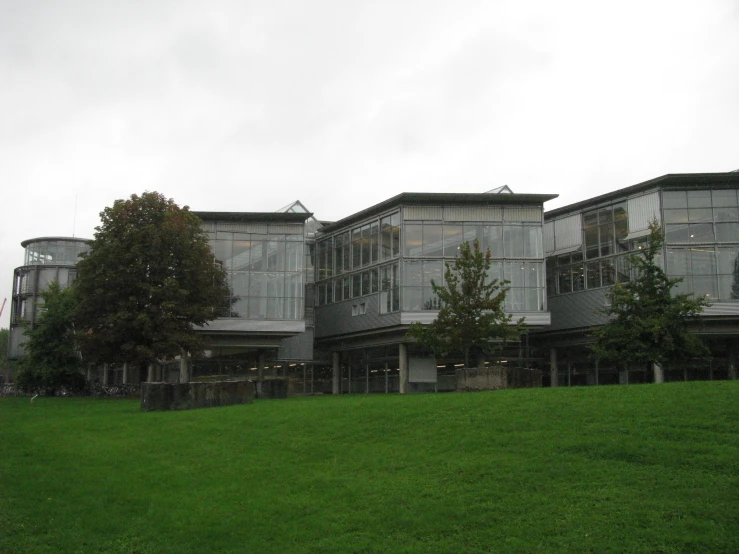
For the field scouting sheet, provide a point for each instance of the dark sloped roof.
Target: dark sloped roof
(254, 216)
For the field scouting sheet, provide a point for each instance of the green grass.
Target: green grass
(600, 469)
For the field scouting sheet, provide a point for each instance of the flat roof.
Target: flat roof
(49, 239)
(439, 198)
(671, 180)
(284, 217)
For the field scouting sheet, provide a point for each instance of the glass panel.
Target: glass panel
(240, 284)
(700, 214)
(258, 284)
(727, 232)
(703, 261)
(452, 239)
(590, 219)
(605, 215)
(678, 261)
(386, 238)
(374, 241)
(347, 287)
(728, 260)
(620, 212)
(726, 214)
(551, 282)
(592, 274)
(294, 256)
(413, 273)
(677, 233)
(433, 270)
(412, 298)
(534, 275)
(275, 308)
(701, 232)
(578, 277)
(293, 284)
(472, 233)
(495, 271)
(532, 241)
(724, 198)
(607, 272)
(412, 239)
(674, 199)
(356, 248)
(366, 257)
(514, 301)
(591, 241)
(276, 257)
(513, 241)
(699, 199)
(493, 240)
(375, 280)
(257, 308)
(728, 287)
(676, 216)
(366, 283)
(396, 235)
(430, 300)
(515, 273)
(356, 285)
(606, 239)
(432, 240)
(346, 254)
(705, 286)
(621, 227)
(533, 300)
(223, 252)
(256, 256)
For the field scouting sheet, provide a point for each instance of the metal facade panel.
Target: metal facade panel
(285, 229)
(234, 227)
(568, 232)
(299, 347)
(257, 228)
(269, 326)
(642, 211)
(421, 370)
(426, 213)
(548, 232)
(473, 213)
(406, 318)
(571, 311)
(522, 213)
(722, 308)
(209, 226)
(337, 319)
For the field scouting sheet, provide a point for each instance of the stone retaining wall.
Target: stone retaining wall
(494, 378)
(188, 396)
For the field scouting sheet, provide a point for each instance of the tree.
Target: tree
(471, 317)
(147, 281)
(51, 358)
(647, 322)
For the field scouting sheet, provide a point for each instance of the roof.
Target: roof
(254, 216)
(49, 239)
(669, 181)
(439, 198)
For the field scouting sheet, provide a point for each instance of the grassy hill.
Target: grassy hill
(640, 468)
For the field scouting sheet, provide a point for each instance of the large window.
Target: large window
(701, 216)
(265, 274)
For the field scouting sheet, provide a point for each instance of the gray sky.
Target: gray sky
(249, 105)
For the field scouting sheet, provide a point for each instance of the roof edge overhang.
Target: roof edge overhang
(268, 217)
(46, 239)
(439, 198)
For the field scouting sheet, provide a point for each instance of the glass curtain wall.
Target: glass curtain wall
(702, 235)
(265, 274)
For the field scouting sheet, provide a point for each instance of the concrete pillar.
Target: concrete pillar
(731, 355)
(659, 374)
(553, 371)
(386, 378)
(336, 362)
(623, 377)
(125, 373)
(150, 374)
(184, 367)
(260, 373)
(106, 371)
(403, 365)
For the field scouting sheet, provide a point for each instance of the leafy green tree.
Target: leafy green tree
(647, 322)
(51, 359)
(471, 317)
(147, 281)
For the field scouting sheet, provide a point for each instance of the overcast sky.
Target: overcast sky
(249, 105)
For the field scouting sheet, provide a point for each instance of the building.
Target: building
(587, 245)
(328, 305)
(46, 259)
(373, 279)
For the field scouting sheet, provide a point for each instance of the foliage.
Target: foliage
(51, 359)
(148, 280)
(648, 323)
(609, 469)
(471, 317)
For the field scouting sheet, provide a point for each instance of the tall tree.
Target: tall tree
(472, 317)
(648, 323)
(51, 358)
(147, 281)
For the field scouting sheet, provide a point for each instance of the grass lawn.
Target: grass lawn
(641, 468)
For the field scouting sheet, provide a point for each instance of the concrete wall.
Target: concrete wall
(188, 396)
(494, 378)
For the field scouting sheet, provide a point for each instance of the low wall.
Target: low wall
(188, 396)
(494, 378)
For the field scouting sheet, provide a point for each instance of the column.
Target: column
(106, 371)
(336, 363)
(184, 369)
(731, 355)
(553, 366)
(125, 373)
(150, 374)
(403, 366)
(659, 374)
(260, 373)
